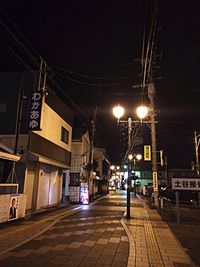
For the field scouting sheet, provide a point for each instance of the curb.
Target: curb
(132, 245)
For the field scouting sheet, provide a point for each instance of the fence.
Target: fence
(6, 189)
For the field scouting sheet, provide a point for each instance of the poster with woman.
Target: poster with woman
(13, 210)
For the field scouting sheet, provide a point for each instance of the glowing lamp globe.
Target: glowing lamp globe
(138, 156)
(112, 167)
(130, 156)
(142, 112)
(118, 111)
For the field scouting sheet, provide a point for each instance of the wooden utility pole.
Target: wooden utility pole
(151, 95)
(196, 142)
(93, 129)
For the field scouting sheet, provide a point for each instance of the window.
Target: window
(2, 107)
(64, 135)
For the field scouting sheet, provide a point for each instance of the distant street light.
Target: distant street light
(138, 156)
(134, 158)
(112, 167)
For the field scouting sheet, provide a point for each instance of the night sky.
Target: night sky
(94, 50)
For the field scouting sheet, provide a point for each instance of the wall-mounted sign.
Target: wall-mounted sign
(84, 196)
(74, 178)
(155, 181)
(147, 153)
(186, 184)
(35, 111)
(13, 209)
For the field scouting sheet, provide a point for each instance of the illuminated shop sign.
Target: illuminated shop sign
(35, 111)
(147, 153)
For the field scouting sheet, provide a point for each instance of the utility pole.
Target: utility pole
(196, 142)
(151, 95)
(93, 126)
(12, 174)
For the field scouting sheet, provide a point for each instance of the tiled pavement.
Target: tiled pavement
(97, 235)
(91, 237)
(152, 243)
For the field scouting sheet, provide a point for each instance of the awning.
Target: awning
(8, 156)
(49, 161)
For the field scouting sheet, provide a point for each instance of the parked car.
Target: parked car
(185, 197)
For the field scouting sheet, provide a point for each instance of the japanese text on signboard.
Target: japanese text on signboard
(186, 184)
(155, 182)
(35, 110)
(147, 153)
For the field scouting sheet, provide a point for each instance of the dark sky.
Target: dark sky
(104, 39)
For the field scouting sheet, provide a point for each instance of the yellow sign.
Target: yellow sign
(147, 153)
(155, 182)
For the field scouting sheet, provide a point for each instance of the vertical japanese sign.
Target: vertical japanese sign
(147, 153)
(35, 111)
(155, 182)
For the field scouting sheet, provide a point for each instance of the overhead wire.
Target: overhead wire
(91, 76)
(94, 84)
(22, 46)
(17, 40)
(16, 56)
(148, 48)
(152, 45)
(146, 55)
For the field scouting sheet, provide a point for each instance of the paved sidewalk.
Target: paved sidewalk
(152, 243)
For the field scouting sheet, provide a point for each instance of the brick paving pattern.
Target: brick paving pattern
(96, 235)
(88, 238)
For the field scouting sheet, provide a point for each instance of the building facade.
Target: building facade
(43, 171)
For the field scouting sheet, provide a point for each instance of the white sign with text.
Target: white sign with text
(186, 184)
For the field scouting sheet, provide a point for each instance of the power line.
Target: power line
(93, 84)
(16, 56)
(22, 46)
(91, 76)
(26, 47)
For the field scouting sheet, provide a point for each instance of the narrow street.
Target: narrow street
(88, 236)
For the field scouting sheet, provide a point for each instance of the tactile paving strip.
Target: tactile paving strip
(155, 258)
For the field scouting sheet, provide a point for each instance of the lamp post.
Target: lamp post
(118, 112)
(134, 158)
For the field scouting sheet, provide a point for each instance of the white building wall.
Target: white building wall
(49, 186)
(28, 187)
(51, 127)
(43, 186)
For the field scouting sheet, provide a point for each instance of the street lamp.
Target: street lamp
(142, 112)
(134, 157)
(118, 112)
